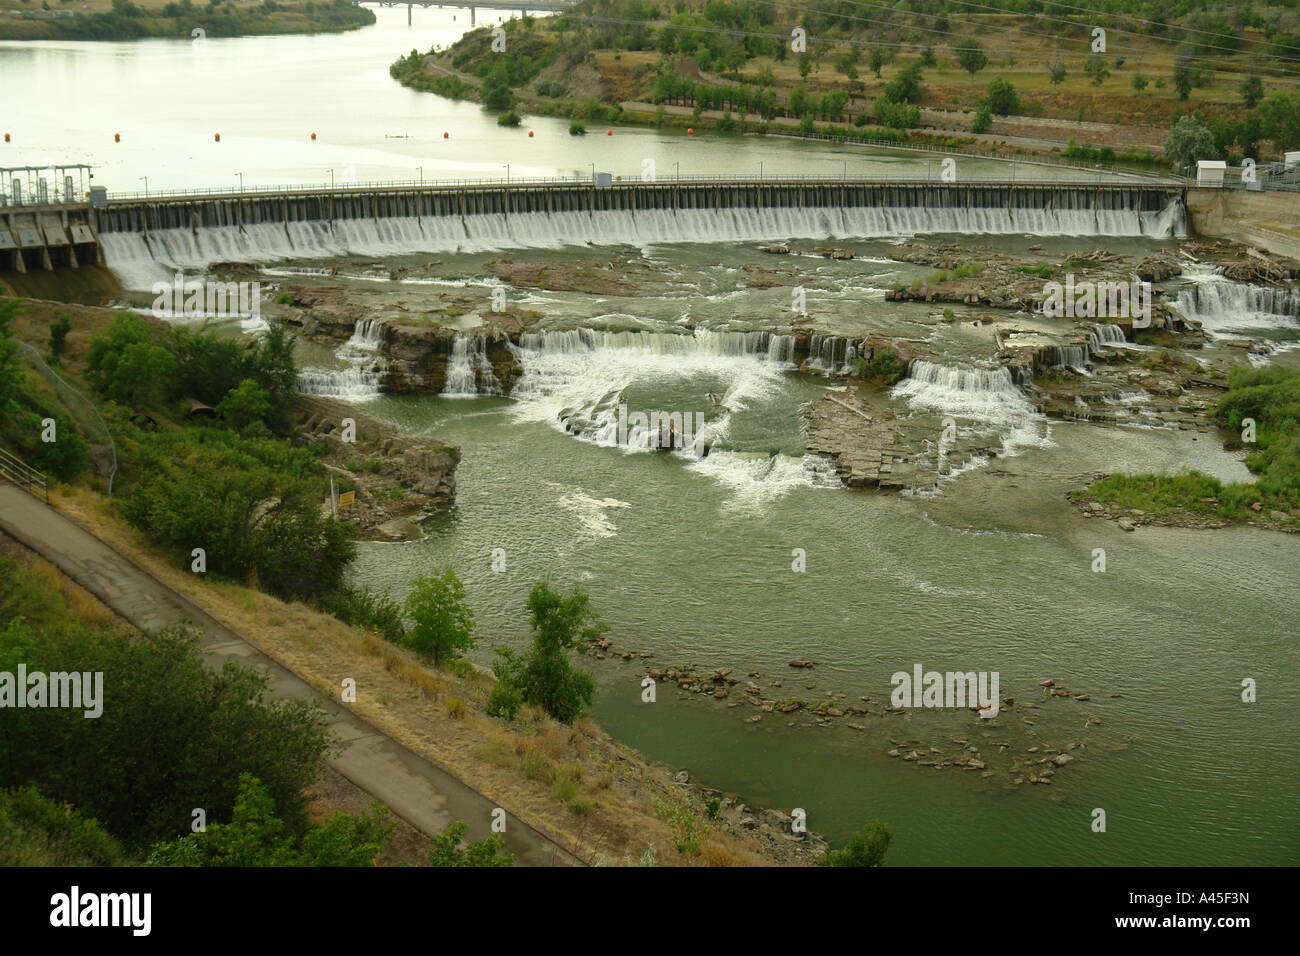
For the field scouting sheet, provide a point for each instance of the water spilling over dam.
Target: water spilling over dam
(145, 239)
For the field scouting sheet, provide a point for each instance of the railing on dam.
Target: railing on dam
(707, 179)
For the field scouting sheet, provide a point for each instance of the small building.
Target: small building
(199, 410)
(1291, 158)
(1209, 172)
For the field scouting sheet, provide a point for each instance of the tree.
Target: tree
(865, 848)
(59, 330)
(1184, 65)
(1095, 66)
(1002, 99)
(1279, 117)
(443, 622)
(8, 351)
(446, 849)
(1189, 141)
(971, 57)
(1056, 72)
(1252, 91)
(544, 676)
(244, 405)
(497, 95)
(906, 86)
(876, 61)
(983, 119)
(1139, 82)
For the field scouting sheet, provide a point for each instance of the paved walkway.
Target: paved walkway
(416, 790)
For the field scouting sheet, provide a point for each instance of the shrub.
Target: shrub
(577, 129)
(865, 848)
(447, 851)
(503, 702)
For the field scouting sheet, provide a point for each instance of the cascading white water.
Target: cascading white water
(139, 263)
(1101, 337)
(1221, 304)
(988, 397)
(469, 371)
(366, 366)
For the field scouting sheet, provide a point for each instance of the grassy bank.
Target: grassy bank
(125, 20)
(1262, 410)
(183, 483)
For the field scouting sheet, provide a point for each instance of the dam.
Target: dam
(147, 239)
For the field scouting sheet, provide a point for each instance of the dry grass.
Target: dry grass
(601, 810)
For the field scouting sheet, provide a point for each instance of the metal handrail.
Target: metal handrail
(631, 180)
(23, 475)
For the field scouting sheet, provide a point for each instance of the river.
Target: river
(691, 559)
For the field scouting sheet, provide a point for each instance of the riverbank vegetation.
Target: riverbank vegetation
(1262, 408)
(127, 20)
(893, 74)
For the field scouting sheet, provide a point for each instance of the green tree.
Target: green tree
(497, 95)
(1189, 141)
(1002, 99)
(544, 676)
(905, 86)
(447, 851)
(255, 836)
(59, 330)
(244, 405)
(1184, 70)
(971, 57)
(865, 848)
(983, 119)
(1279, 118)
(1252, 91)
(1139, 82)
(171, 735)
(1095, 67)
(9, 310)
(876, 61)
(1056, 72)
(38, 831)
(443, 622)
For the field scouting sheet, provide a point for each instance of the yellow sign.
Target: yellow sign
(346, 498)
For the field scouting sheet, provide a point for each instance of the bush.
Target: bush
(883, 365)
(508, 119)
(255, 836)
(577, 129)
(172, 734)
(361, 607)
(865, 848)
(59, 335)
(447, 851)
(38, 831)
(252, 504)
(503, 702)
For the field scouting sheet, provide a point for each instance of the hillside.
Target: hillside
(881, 70)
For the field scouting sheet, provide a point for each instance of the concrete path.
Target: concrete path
(416, 790)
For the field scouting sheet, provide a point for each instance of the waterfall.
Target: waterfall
(703, 342)
(1101, 338)
(1222, 305)
(366, 366)
(469, 371)
(138, 262)
(831, 354)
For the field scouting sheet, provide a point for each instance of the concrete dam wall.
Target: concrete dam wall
(146, 241)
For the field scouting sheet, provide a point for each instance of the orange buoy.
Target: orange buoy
(6, 137)
(690, 131)
(609, 132)
(117, 137)
(530, 132)
(445, 135)
(313, 136)
(216, 137)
